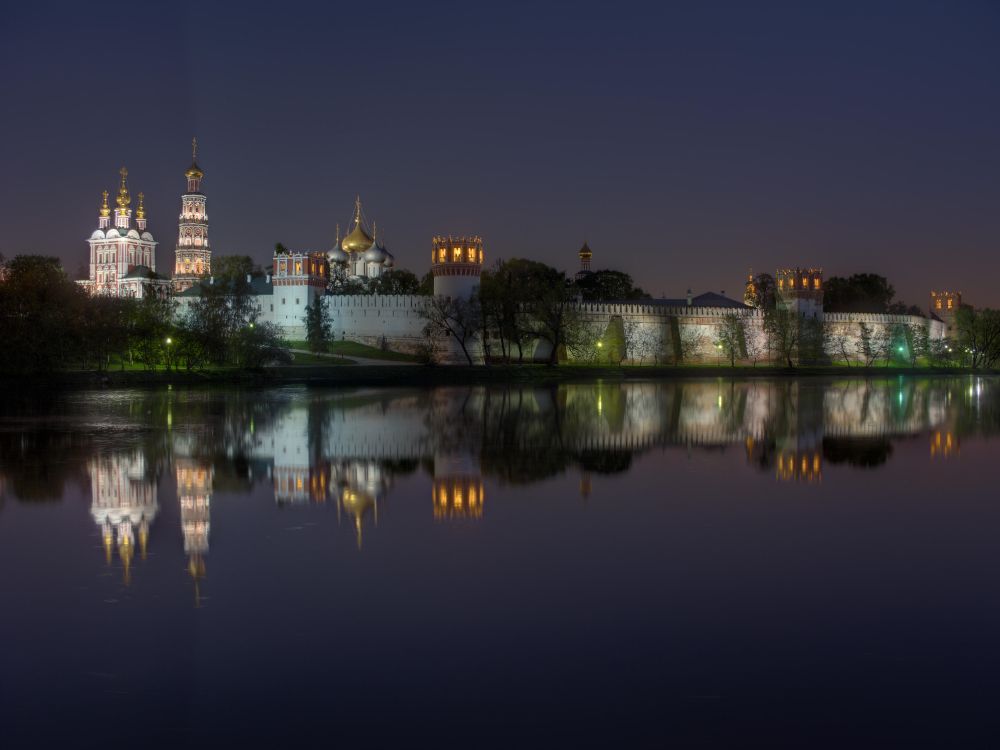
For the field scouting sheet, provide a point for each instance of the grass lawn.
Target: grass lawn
(354, 349)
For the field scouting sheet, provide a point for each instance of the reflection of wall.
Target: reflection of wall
(123, 504)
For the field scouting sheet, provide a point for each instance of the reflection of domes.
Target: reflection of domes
(357, 241)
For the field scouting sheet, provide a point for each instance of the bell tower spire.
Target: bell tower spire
(193, 255)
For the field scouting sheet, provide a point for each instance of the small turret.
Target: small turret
(456, 263)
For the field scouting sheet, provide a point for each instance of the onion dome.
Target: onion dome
(390, 259)
(358, 241)
(105, 210)
(375, 254)
(124, 199)
(140, 210)
(336, 255)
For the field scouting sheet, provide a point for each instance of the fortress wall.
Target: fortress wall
(392, 320)
(651, 330)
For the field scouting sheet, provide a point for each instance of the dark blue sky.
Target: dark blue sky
(684, 142)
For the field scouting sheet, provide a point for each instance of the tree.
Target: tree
(642, 340)
(605, 285)
(458, 318)
(687, 343)
(426, 288)
(979, 336)
(765, 294)
(395, 281)
(861, 292)
(872, 343)
(840, 342)
(319, 329)
(152, 326)
(232, 267)
(553, 316)
(42, 314)
(732, 337)
(782, 329)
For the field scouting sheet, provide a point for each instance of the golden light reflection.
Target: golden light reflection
(458, 497)
(943, 444)
(799, 466)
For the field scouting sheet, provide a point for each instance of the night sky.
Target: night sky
(684, 142)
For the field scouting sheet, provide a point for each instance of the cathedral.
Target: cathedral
(359, 254)
(123, 256)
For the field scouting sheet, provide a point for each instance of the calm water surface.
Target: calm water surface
(713, 563)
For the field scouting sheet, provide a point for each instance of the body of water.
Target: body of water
(693, 563)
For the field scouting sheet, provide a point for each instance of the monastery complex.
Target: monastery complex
(123, 263)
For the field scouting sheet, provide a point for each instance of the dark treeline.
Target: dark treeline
(48, 323)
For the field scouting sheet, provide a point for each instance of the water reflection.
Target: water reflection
(347, 449)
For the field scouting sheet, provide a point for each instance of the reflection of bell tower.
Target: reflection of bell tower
(458, 487)
(194, 491)
(123, 506)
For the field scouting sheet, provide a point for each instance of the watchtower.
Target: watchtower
(801, 290)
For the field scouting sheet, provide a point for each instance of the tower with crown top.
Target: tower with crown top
(193, 256)
(123, 252)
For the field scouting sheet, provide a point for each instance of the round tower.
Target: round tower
(456, 263)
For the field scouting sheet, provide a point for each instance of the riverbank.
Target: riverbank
(409, 375)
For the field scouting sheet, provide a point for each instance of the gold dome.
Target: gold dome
(358, 240)
(585, 252)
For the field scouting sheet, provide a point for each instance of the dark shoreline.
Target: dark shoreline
(409, 375)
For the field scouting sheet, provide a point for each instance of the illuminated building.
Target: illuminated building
(586, 255)
(123, 505)
(194, 491)
(800, 290)
(123, 256)
(944, 307)
(456, 263)
(193, 255)
(750, 293)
